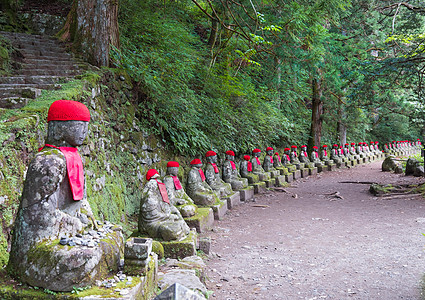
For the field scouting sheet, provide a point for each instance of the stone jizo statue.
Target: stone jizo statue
(213, 176)
(335, 155)
(257, 169)
(268, 162)
(303, 155)
(158, 217)
(294, 155)
(176, 193)
(54, 208)
(231, 173)
(246, 170)
(315, 157)
(197, 187)
(324, 154)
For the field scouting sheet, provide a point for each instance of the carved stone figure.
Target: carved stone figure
(231, 174)
(176, 193)
(246, 170)
(294, 155)
(197, 188)
(256, 165)
(54, 208)
(360, 150)
(324, 154)
(268, 163)
(335, 155)
(353, 152)
(303, 155)
(315, 157)
(158, 217)
(213, 178)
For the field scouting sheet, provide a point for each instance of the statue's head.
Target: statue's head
(294, 148)
(67, 123)
(335, 146)
(196, 163)
(230, 155)
(286, 150)
(247, 157)
(172, 168)
(256, 152)
(152, 174)
(269, 151)
(346, 145)
(324, 147)
(315, 148)
(303, 148)
(211, 157)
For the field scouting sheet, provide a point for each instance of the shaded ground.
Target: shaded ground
(306, 244)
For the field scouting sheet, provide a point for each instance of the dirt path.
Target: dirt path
(308, 245)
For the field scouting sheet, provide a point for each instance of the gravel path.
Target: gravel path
(307, 244)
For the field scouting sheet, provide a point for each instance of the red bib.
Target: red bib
(215, 168)
(271, 159)
(326, 153)
(232, 163)
(278, 158)
(317, 154)
(163, 191)
(177, 183)
(287, 157)
(74, 169)
(201, 173)
(258, 161)
(249, 166)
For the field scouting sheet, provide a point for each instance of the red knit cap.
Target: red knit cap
(315, 147)
(269, 148)
(247, 157)
(324, 146)
(210, 153)
(196, 161)
(256, 150)
(376, 143)
(150, 173)
(230, 152)
(352, 144)
(303, 146)
(346, 144)
(68, 110)
(372, 142)
(172, 164)
(286, 149)
(294, 147)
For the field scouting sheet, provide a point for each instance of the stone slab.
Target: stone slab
(289, 177)
(202, 221)
(233, 200)
(296, 174)
(280, 180)
(275, 173)
(312, 171)
(304, 172)
(259, 187)
(219, 210)
(179, 292)
(247, 193)
(269, 183)
(205, 244)
(320, 169)
(181, 249)
(331, 167)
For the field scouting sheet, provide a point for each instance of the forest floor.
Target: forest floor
(305, 243)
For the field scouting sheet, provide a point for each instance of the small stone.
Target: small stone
(79, 235)
(129, 282)
(72, 243)
(91, 244)
(64, 240)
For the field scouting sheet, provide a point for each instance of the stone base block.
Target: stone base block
(280, 180)
(312, 171)
(233, 200)
(202, 221)
(264, 176)
(331, 167)
(219, 210)
(205, 244)
(296, 174)
(304, 172)
(320, 169)
(274, 174)
(181, 249)
(269, 183)
(259, 188)
(289, 177)
(247, 193)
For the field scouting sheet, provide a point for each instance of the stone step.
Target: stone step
(33, 72)
(57, 61)
(25, 92)
(46, 67)
(43, 86)
(42, 53)
(27, 37)
(33, 79)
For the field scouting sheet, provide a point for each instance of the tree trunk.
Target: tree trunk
(316, 112)
(278, 63)
(92, 27)
(213, 35)
(341, 128)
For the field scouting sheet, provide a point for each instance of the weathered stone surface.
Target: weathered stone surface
(219, 209)
(187, 278)
(389, 164)
(180, 249)
(213, 178)
(202, 220)
(205, 244)
(233, 200)
(179, 292)
(247, 194)
(198, 190)
(414, 168)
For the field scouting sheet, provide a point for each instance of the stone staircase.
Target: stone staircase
(44, 65)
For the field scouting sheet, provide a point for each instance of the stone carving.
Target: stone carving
(335, 155)
(176, 193)
(268, 162)
(390, 164)
(353, 152)
(257, 169)
(246, 170)
(213, 178)
(231, 174)
(158, 217)
(360, 150)
(197, 188)
(303, 155)
(315, 157)
(54, 211)
(324, 154)
(294, 155)
(413, 167)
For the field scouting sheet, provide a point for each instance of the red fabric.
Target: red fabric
(256, 150)
(317, 154)
(177, 183)
(271, 159)
(68, 110)
(247, 157)
(196, 161)
(249, 166)
(286, 149)
(303, 146)
(269, 148)
(325, 146)
(295, 153)
(293, 147)
(258, 161)
(202, 174)
(163, 191)
(74, 169)
(232, 163)
(215, 168)
(210, 153)
(305, 153)
(172, 164)
(278, 157)
(287, 157)
(150, 173)
(315, 147)
(326, 152)
(230, 153)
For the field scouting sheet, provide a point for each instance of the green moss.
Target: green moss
(158, 249)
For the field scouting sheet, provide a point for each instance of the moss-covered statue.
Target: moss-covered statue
(359, 150)
(231, 174)
(257, 168)
(246, 170)
(294, 155)
(50, 247)
(158, 218)
(176, 193)
(213, 176)
(197, 188)
(304, 157)
(268, 162)
(315, 157)
(353, 152)
(324, 154)
(335, 155)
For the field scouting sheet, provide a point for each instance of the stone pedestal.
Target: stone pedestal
(202, 221)
(296, 174)
(304, 172)
(247, 193)
(331, 167)
(219, 210)
(233, 200)
(259, 187)
(275, 173)
(269, 183)
(312, 171)
(321, 168)
(137, 255)
(289, 177)
(280, 180)
(181, 249)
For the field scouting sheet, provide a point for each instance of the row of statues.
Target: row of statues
(54, 207)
